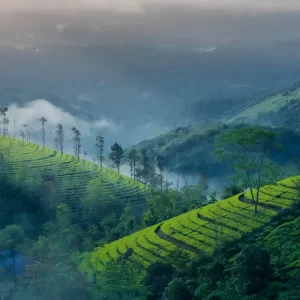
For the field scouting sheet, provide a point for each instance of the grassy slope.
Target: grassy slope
(29, 166)
(270, 104)
(197, 231)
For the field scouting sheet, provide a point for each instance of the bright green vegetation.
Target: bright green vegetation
(284, 241)
(270, 104)
(198, 231)
(62, 177)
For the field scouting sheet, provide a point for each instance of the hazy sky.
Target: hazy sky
(137, 5)
(204, 23)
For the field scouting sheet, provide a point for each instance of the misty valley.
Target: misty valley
(149, 150)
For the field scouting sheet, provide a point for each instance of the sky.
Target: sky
(206, 23)
(139, 5)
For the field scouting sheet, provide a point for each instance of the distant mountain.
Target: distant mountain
(146, 91)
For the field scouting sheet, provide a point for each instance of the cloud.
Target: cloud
(138, 5)
(60, 27)
(71, 5)
(30, 114)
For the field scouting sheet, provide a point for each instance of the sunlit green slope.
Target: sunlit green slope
(61, 176)
(272, 104)
(197, 231)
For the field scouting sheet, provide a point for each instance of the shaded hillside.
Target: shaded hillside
(190, 150)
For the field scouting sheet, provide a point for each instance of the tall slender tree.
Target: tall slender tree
(146, 166)
(116, 155)
(27, 135)
(14, 129)
(3, 111)
(133, 157)
(43, 121)
(100, 148)
(160, 165)
(60, 138)
(5, 127)
(23, 135)
(77, 142)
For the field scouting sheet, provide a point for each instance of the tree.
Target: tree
(3, 111)
(145, 172)
(127, 221)
(158, 277)
(116, 155)
(249, 149)
(43, 121)
(60, 137)
(120, 280)
(160, 165)
(252, 269)
(231, 190)
(100, 148)
(177, 290)
(14, 129)
(27, 133)
(23, 135)
(5, 125)
(77, 142)
(133, 158)
(11, 238)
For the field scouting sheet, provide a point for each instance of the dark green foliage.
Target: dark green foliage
(231, 190)
(133, 159)
(158, 277)
(252, 269)
(100, 148)
(116, 155)
(191, 150)
(147, 171)
(21, 207)
(120, 281)
(178, 290)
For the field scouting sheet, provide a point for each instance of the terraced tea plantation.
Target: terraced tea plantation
(198, 231)
(62, 176)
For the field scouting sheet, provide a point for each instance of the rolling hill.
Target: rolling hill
(198, 231)
(266, 110)
(60, 178)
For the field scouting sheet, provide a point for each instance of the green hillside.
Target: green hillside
(281, 109)
(270, 104)
(62, 178)
(190, 150)
(198, 231)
